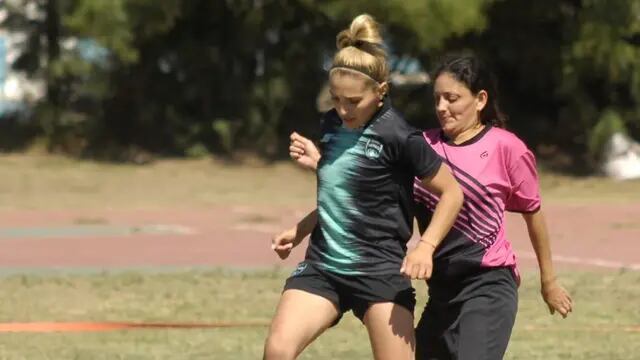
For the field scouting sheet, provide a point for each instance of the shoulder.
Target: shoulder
(392, 126)
(507, 140)
(510, 145)
(432, 136)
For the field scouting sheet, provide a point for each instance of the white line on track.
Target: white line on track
(585, 261)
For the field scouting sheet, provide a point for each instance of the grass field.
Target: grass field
(606, 305)
(54, 182)
(605, 325)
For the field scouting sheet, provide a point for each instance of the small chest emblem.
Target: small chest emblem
(300, 269)
(373, 149)
(484, 155)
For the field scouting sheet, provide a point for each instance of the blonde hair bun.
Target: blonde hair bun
(363, 29)
(360, 48)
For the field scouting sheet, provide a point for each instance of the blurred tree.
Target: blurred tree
(181, 77)
(561, 65)
(188, 77)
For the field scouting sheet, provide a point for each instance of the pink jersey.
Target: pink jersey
(497, 173)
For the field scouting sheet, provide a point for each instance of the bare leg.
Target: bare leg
(391, 333)
(300, 318)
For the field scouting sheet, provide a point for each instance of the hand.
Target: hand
(418, 264)
(284, 242)
(557, 298)
(303, 151)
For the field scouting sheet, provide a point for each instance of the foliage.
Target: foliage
(184, 77)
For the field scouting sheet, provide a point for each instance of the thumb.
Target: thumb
(287, 246)
(404, 264)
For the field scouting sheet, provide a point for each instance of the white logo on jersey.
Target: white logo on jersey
(373, 149)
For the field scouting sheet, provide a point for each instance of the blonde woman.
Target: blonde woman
(356, 259)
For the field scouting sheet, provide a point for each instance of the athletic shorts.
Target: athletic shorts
(469, 319)
(353, 292)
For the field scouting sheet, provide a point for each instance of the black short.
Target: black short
(353, 292)
(471, 319)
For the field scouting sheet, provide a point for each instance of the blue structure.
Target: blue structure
(6, 106)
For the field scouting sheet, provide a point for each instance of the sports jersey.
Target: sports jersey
(497, 173)
(365, 193)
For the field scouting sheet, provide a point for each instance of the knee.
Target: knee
(278, 348)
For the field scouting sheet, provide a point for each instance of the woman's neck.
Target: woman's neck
(466, 134)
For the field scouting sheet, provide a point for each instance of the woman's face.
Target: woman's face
(457, 108)
(355, 97)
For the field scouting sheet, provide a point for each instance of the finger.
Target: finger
(415, 271)
(429, 272)
(284, 247)
(563, 312)
(409, 270)
(568, 306)
(294, 156)
(423, 272)
(296, 149)
(297, 137)
(297, 144)
(403, 266)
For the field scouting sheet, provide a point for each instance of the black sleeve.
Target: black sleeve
(327, 125)
(420, 156)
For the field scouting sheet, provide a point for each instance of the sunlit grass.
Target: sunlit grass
(605, 307)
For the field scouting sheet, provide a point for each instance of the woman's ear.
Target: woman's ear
(383, 89)
(481, 99)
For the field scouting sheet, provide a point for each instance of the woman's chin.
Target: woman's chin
(447, 127)
(351, 124)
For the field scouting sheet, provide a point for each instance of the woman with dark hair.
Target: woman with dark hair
(473, 297)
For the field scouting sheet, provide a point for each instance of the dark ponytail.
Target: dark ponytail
(470, 71)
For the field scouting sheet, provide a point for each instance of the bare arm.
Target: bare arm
(283, 243)
(444, 185)
(419, 262)
(307, 224)
(556, 297)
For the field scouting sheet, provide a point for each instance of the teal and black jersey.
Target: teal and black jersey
(365, 193)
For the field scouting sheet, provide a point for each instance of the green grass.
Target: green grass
(604, 304)
(37, 182)
(41, 182)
